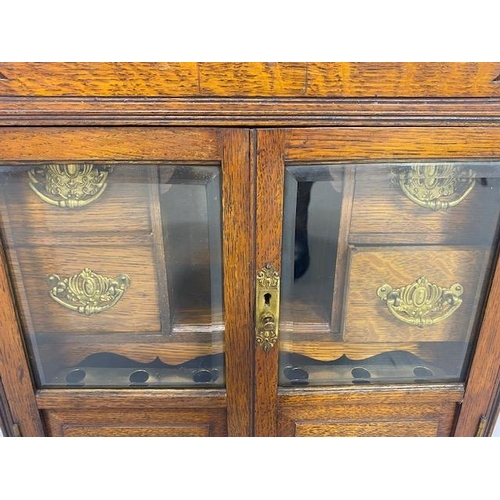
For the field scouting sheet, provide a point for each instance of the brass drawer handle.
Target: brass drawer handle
(426, 184)
(421, 303)
(71, 185)
(267, 307)
(87, 292)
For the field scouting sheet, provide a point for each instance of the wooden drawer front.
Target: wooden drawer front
(146, 423)
(368, 317)
(382, 213)
(370, 412)
(381, 420)
(124, 206)
(368, 428)
(294, 423)
(137, 310)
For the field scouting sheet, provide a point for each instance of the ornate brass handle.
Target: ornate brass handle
(70, 185)
(87, 292)
(421, 303)
(427, 184)
(267, 307)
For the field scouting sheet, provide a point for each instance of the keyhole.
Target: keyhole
(267, 299)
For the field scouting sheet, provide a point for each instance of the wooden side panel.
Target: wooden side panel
(14, 369)
(484, 375)
(145, 423)
(388, 413)
(290, 79)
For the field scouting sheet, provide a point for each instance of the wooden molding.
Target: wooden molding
(62, 111)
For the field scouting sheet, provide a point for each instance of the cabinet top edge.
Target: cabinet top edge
(251, 79)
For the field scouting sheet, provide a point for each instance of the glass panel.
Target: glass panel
(385, 268)
(117, 270)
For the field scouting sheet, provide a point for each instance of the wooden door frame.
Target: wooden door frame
(275, 147)
(231, 149)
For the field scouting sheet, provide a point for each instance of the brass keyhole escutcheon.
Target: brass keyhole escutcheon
(267, 307)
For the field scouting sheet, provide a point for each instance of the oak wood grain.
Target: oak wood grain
(382, 213)
(484, 374)
(14, 370)
(367, 318)
(273, 79)
(447, 102)
(270, 182)
(252, 79)
(139, 399)
(341, 263)
(321, 347)
(376, 411)
(248, 111)
(6, 422)
(384, 143)
(138, 347)
(145, 423)
(367, 428)
(238, 257)
(397, 79)
(137, 309)
(377, 394)
(102, 144)
(370, 421)
(124, 208)
(123, 79)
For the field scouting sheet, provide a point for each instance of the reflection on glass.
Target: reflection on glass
(190, 213)
(384, 271)
(117, 271)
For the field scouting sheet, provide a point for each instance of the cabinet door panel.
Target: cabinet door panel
(388, 244)
(124, 246)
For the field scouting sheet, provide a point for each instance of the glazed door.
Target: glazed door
(129, 254)
(377, 251)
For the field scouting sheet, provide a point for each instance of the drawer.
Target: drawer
(130, 304)
(369, 412)
(407, 294)
(121, 201)
(190, 422)
(386, 208)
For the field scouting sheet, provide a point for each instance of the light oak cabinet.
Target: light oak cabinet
(249, 256)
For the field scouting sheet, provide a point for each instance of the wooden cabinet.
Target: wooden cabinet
(239, 258)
